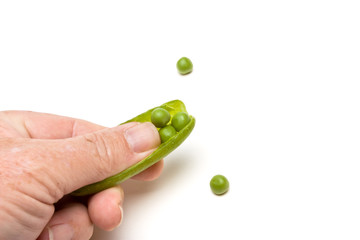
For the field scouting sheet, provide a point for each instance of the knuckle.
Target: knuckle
(103, 150)
(100, 152)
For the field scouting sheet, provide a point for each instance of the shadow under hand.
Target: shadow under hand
(175, 167)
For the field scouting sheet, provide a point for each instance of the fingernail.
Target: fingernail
(121, 215)
(61, 231)
(142, 137)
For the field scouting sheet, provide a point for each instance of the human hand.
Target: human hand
(45, 157)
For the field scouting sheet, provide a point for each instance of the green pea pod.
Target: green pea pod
(162, 151)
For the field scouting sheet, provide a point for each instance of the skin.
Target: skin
(45, 157)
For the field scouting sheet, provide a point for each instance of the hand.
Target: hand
(45, 157)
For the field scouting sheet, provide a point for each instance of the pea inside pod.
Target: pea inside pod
(162, 151)
(180, 120)
(166, 133)
(160, 117)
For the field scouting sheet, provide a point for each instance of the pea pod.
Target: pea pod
(162, 151)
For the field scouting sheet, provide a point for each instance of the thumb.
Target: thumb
(82, 160)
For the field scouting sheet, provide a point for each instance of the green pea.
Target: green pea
(166, 133)
(179, 121)
(160, 117)
(219, 184)
(184, 65)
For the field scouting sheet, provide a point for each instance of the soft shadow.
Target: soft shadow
(136, 191)
(102, 235)
(173, 166)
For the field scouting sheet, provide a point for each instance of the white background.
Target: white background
(275, 91)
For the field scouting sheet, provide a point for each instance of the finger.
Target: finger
(71, 163)
(71, 222)
(151, 173)
(48, 126)
(105, 208)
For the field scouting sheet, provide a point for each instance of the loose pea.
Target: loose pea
(166, 133)
(160, 117)
(180, 119)
(184, 65)
(219, 184)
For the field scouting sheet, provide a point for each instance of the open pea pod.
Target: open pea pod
(162, 151)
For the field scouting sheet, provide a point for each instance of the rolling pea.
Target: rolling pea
(219, 184)
(184, 65)
(162, 151)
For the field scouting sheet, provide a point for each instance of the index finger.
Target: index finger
(49, 126)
